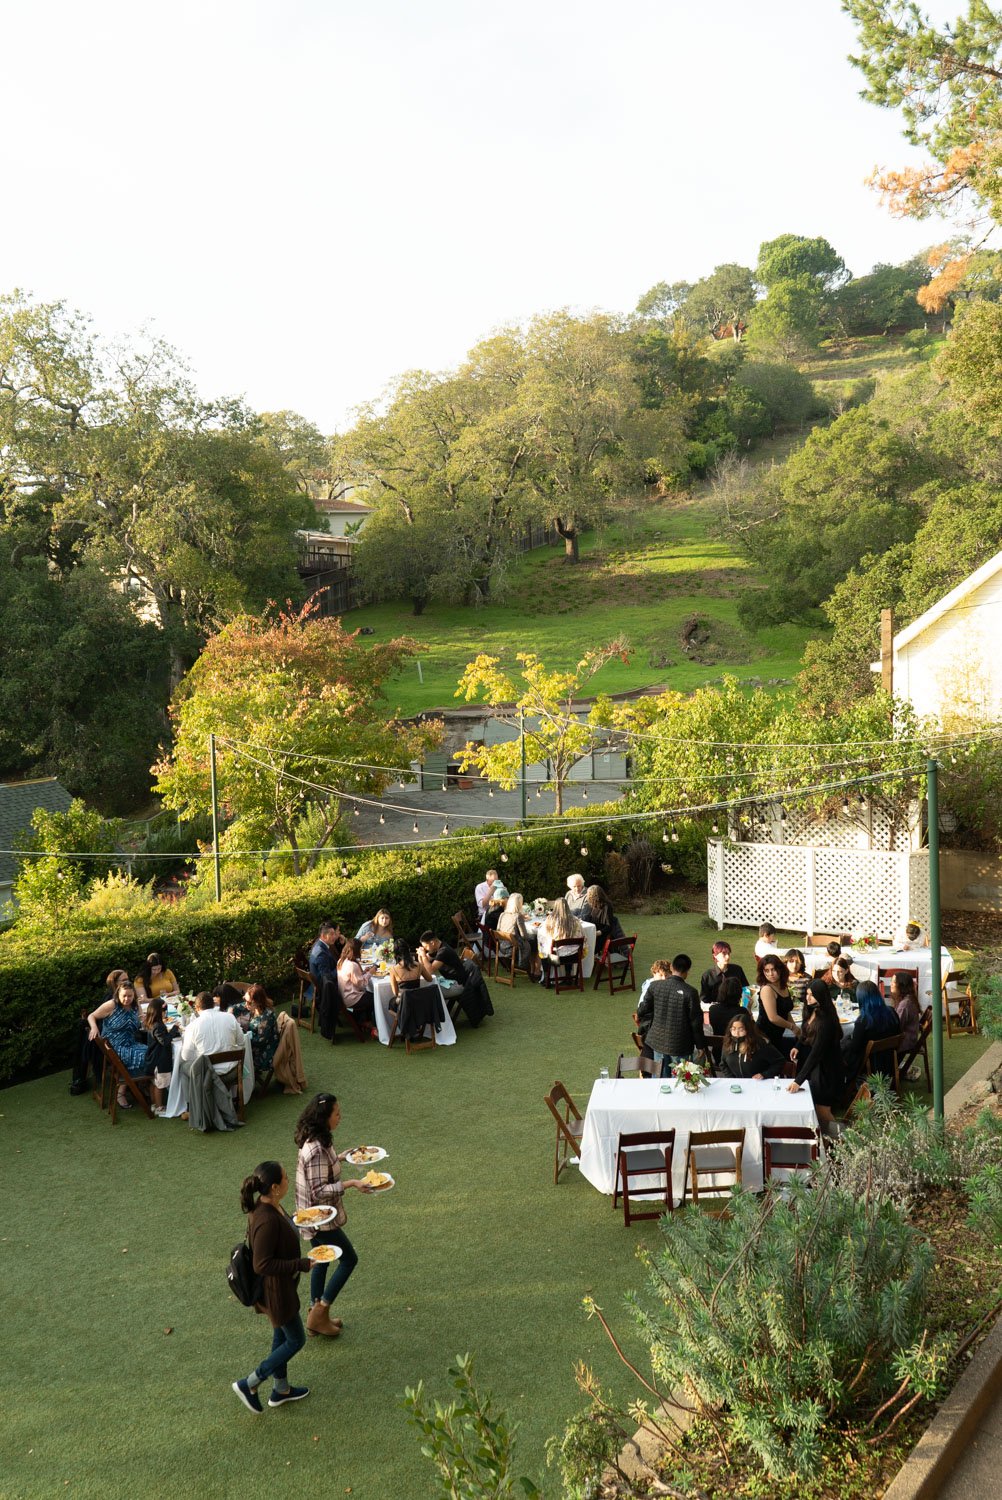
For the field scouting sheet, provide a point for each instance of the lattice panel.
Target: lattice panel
(858, 890)
(714, 861)
(766, 883)
(918, 889)
(867, 827)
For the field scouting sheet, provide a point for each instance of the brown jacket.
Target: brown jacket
(275, 1247)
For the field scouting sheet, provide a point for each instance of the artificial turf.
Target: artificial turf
(121, 1338)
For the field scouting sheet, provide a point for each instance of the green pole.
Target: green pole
(215, 816)
(521, 737)
(935, 936)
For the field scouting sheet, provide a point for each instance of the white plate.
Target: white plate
(377, 1192)
(311, 1254)
(315, 1223)
(369, 1160)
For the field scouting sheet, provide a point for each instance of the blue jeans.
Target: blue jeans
(659, 1058)
(285, 1342)
(340, 1271)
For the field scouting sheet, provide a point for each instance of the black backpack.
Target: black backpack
(245, 1283)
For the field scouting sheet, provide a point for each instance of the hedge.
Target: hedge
(45, 985)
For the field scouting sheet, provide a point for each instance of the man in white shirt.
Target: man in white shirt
(576, 894)
(211, 1031)
(484, 892)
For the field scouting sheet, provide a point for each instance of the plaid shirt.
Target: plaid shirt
(318, 1182)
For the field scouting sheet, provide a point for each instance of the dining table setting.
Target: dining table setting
(180, 1012)
(376, 961)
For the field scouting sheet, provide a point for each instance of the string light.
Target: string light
(264, 873)
(716, 828)
(664, 837)
(584, 849)
(445, 827)
(845, 804)
(608, 838)
(419, 868)
(382, 817)
(490, 791)
(584, 794)
(539, 792)
(674, 836)
(518, 838)
(504, 857)
(566, 839)
(344, 870)
(355, 810)
(415, 828)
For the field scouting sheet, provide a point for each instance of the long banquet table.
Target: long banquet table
(624, 1105)
(866, 962)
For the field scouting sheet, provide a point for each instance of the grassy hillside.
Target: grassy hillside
(655, 567)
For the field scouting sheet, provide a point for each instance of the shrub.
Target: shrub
(469, 1444)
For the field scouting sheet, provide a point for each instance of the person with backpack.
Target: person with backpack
(276, 1258)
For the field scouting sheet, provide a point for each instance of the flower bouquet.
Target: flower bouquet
(540, 906)
(691, 1076)
(865, 940)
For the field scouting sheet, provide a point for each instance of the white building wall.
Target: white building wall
(953, 669)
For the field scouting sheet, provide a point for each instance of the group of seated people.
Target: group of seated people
(343, 973)
(671, 1015)
(539, 947)
(132, 1018)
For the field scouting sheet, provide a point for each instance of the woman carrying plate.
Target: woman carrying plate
(319, 1185)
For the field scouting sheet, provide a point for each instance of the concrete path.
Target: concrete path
(978, 1475)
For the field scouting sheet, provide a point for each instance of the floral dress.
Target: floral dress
(264, 1040)
(121, 1030)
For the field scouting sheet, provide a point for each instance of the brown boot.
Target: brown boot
(318, 1321)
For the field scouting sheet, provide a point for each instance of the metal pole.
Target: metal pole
(521, 736)
(935, 937)
(215, 815)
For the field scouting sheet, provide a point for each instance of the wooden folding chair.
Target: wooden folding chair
(566, 960)
(708, 1154)
(423, 1042)
(713, 1046)
(115, 1075)
(236, 1057)
(634, 1067)
(305, 981)
(787, 1149)
(570, 1126)
(888, 1044)
(616, 959)
(645, 1153)
(920, 1049)
(959, 1004)
(506, 965)
(468, 935)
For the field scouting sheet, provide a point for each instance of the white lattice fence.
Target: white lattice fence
(861, 827)
(803, 888)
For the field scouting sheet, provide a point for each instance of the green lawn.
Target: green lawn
(121, 1336)
(645, 576)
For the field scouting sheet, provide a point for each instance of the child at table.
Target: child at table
(159, 1052)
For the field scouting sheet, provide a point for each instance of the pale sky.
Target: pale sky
(308, 197)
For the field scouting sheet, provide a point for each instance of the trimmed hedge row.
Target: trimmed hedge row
(253, 935)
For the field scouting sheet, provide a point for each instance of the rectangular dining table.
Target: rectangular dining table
(177, 1096)
(382, 994)
(620, 1106)
(587, 953)
(865, 962)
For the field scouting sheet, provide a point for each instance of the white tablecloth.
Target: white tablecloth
(382, 994)
(177, 1098)
(866, 961)
(624, 1105)
(590, 935)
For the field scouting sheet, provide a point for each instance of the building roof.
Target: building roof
(949, 601)
(18, 800)
(345, 507)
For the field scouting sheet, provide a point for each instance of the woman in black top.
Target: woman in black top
(726, 1005)
(775, 1003)
(607, 924)
(746, 1053)
(818, 1056)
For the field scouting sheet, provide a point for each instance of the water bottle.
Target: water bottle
(603, 1072)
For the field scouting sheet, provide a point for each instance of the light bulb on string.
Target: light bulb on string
(445, 826)
(539, 791)
(674, 835)
(503, 857)
(419, 868)
(608, 838)
(665, 836)
(845, 804)
(344, 870)
(584, 849)
(354, 811)
(566, 839)
(716, 828)
(584, 794)
(264, 873)
(415, 828)
(382, 818)
(490, 791)
(518, 838)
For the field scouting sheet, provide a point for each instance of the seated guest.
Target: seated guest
(833, 952)
(909, 936)
(483, 893)
(906, 1007)
(560, 926)
(766, 940)
(798, 975)
(876, 1021)
(378, 930)
(577, 896)
(818, 1055)
(598, 909)
(210, 1031)
(437, 959)
(155, 979)
(495, 907)
(355, 984)
(87, 1058)
(775, 1004)
(722, 969)
(746, 1053)
(231, 997)
(843, 982)
(263, 1028)
(726, 1005)
(322, 963)
(513, 931)
(406, 974)
(159, 1052)
(676, 1028)
(122, 1028)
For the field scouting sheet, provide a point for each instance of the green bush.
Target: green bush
(46, 980)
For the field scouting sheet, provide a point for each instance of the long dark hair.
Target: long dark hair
(752, 1041)
(403, 953)
(265, 1176)
(777, 963)
(314, 1124)
(824, 1006)
(153, 960)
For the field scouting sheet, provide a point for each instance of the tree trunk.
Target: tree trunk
(569, 531)
(418, 602)
(558, 796)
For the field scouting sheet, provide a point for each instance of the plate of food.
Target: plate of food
(379, 1182)
(363, 1155)
(313, 1218)
(322, 1253)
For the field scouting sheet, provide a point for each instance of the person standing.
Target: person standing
(319, 1185)
(275, 1251)
(483, 893)
(676, 1027)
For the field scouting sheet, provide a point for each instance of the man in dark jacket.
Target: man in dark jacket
(323, 966)
(677, 1022)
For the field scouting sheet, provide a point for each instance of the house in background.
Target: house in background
(948, 662)
(342, 517)
(18, 801)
